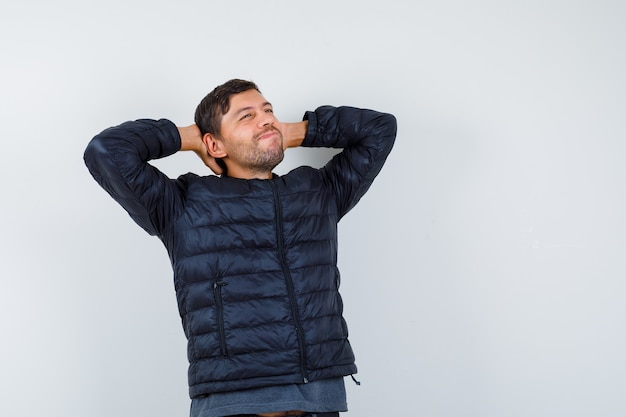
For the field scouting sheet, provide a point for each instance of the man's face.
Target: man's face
(251, 136)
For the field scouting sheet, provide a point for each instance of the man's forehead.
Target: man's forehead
(247, 98)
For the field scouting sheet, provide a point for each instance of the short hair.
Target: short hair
(216, 104)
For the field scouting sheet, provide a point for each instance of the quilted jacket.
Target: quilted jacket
(254, 261)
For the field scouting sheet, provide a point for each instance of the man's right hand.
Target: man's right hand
(191, 140)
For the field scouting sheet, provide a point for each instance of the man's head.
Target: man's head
(239, 129)
(216, 104)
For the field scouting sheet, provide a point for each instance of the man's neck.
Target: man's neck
(249, 175)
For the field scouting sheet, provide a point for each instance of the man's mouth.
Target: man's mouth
(267, 134)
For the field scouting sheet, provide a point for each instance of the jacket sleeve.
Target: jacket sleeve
(366, 137)
(118, 159)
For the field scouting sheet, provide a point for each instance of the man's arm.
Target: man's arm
(294, 133)
(118, 159)
(191, 140)
(366, 137)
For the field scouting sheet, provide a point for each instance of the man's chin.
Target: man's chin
(276, 159)
(273, 145)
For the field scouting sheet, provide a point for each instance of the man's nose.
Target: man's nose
(267, 119)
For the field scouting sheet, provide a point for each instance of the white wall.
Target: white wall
(483, 274)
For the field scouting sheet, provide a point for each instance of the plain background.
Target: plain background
(484, 272)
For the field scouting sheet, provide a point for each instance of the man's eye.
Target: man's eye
(269, 110)
(245, 116)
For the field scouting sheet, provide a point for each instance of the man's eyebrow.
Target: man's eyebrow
(244, 109)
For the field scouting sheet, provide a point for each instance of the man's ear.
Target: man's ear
(214, 145)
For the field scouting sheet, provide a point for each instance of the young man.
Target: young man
(254, 254)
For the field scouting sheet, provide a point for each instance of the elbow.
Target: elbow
(387, 130)
(391, 125)
(97, 157)
(93, 152)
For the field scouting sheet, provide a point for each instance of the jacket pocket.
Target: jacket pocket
(219, 304)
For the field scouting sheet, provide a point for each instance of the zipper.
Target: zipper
(217, 289)
(289, 283)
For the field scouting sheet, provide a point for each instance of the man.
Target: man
(254, 254)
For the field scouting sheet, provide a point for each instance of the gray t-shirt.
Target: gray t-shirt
(323, 396)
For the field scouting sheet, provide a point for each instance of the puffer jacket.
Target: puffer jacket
(254, 261)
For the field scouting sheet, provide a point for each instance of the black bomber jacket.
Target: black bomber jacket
(254, 261)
